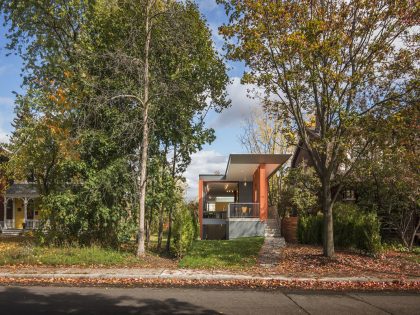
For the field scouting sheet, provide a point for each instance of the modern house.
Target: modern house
(235, 204)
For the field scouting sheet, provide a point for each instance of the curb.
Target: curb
(199, 277)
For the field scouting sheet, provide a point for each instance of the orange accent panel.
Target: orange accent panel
(200, 206)
(263, 192)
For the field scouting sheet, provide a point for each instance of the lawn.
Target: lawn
(23, 251)
(236, 254)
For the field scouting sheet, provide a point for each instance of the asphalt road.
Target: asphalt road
(73, 300)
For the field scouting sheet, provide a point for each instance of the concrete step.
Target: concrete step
(11, 232)
(272, 229)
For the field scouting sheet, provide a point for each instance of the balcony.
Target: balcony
(244, 210)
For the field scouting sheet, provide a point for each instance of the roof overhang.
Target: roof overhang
(241, 167)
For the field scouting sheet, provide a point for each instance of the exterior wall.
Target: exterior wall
(245, 192)
(19, 213)
(244, 228)
(214, 232)
(200, 206)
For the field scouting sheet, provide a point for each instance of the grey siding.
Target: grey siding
(244, 228)
(245, 192)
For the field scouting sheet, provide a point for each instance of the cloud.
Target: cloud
(203, 162)
(242, 106)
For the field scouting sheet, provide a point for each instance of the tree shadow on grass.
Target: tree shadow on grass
(15, 300)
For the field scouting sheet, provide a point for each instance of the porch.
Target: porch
(19, 209)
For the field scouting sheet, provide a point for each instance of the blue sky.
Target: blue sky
(227, 125)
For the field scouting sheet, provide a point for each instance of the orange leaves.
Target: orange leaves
(304, 260)
(413, 286)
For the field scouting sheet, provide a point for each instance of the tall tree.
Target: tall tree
(156, 57)
(337, 60)
(131, 69)
(261, 133)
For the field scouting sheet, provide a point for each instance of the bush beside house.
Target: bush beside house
(186, 230)
(353, 228)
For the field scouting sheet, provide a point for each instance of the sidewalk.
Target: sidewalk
(139, 275)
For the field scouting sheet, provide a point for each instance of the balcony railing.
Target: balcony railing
(215, 215)
(244, 210)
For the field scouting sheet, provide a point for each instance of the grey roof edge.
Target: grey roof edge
(22, 190)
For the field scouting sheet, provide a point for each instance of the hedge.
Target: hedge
(353, 228)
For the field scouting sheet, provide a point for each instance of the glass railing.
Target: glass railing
(244, 210)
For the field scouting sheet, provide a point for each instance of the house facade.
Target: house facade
(235, 204)
(18, 202)
(20, 207)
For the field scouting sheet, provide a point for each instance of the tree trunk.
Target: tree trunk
(145, 141)
(168, 240)
(160, 231)
(147, 233)
(326, 202)
(413, 235)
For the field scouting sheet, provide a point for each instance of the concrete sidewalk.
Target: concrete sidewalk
(176, 274)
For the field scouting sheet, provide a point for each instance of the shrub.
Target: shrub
(310, 229)
(184, 229)
(353, 228)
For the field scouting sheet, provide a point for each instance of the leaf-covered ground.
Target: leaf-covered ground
(237, 256)
(401, 286)
(305, 260)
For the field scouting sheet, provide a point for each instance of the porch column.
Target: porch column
(25, 209)
(263, 192)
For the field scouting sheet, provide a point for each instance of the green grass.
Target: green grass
(66, 256)
(239, 253)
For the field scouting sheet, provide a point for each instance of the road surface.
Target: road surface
(156, 301)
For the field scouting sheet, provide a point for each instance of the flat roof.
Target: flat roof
(241, 167)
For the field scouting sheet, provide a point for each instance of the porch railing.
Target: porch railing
(9, 224)
(31, 224)
(244, 210)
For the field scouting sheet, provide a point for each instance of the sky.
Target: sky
(227, 124)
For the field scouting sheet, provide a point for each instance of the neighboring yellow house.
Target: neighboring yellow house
(20, 209)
